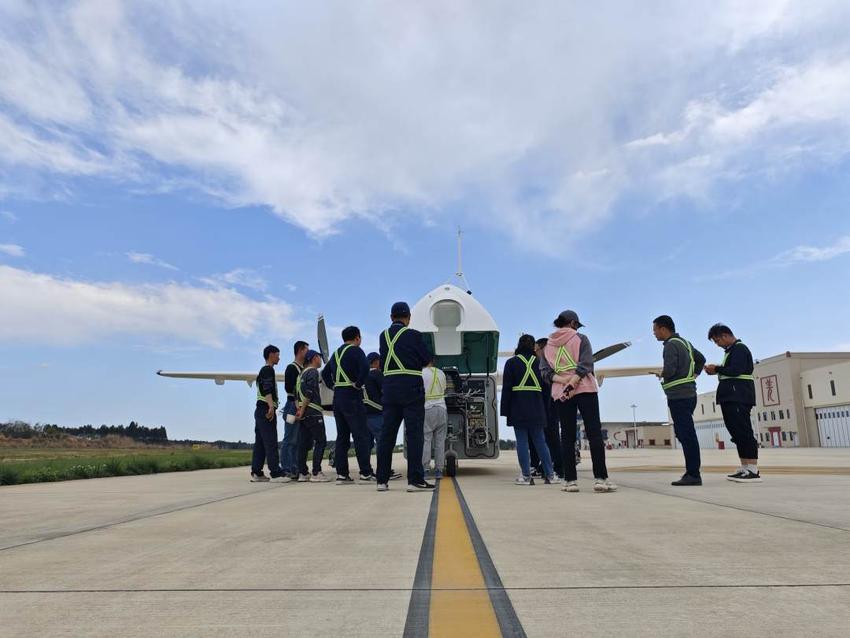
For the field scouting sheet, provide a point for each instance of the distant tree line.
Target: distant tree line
(23, 430)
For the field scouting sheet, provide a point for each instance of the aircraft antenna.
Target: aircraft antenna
(459, 274)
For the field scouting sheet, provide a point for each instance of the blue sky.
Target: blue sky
(181, 183)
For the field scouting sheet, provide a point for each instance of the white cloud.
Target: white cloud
(383, 109)
(147, 258)
(8, 216)
(49, 309)
(797, 255)
(242, 277)
(12, 250)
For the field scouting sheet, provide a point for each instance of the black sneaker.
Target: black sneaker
(424, 486)
(747, 477)
(259, 478)
(687, 479)
(535, 473)
(365, 478)
(737, 474)
(394, 476)
(344, 480)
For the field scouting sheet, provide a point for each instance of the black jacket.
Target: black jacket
(522, 408)
(373, 388)
(739, 360)
(677, 362)
(290, 378)
(355, 367)
(414, 355)
(266, 384)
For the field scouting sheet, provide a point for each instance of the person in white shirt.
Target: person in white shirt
(436, 418)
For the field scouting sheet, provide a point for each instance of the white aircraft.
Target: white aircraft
(465, 340)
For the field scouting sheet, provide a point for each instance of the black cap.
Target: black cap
(372, 356)
(311, 354)
(571, 315)
(400, 309)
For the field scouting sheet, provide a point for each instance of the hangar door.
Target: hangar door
(834, 426)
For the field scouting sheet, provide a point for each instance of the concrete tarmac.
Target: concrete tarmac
(208, 553)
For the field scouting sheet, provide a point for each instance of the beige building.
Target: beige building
(795, 403)
(647, 433)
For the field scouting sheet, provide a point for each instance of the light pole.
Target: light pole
(634, 423)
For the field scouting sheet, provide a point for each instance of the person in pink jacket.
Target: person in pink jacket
(568, 365)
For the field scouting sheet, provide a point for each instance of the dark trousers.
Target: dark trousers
(265, 443)
(553, 442)
(535, 457)
(682, 411)
(413, 415)
(351, 423)
(311, 434)
(736, 416)
(587, 403)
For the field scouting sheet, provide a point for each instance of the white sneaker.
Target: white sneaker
(570, 486)
(259, 478)
(383, 487)
(604, 485)
(524, 480)
(367, 478)
(303, 478)
(281, 479)
(319, 478)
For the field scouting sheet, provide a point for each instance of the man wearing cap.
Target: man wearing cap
(568, 365)
(346, 373)
(311, 422)
(404, 354)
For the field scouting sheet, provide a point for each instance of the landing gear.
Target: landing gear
(451, 465)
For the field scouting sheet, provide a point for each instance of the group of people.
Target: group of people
(545, 386)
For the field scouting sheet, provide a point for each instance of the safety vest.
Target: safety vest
(743, 377)
(298, 367)
(564, 361)
(260, 396)
(437, 390)
(369, 402)
(341, 380)
(691, 376)
(392, 358)
(301, 395)
(529, 375)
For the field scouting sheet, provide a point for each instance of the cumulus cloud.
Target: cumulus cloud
(147, 258)
(49, 309)
(541, 114)
(12, 250)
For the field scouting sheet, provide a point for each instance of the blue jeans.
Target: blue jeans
(682, 412)
(289, 445)
(375, 423)
(535, 433)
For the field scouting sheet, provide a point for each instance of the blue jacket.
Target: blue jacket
(373, 388)
(522, 408)
(354, 365)
(414, 355)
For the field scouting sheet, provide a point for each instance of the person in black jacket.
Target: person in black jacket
(346, 373)
(552, 430)
(404, 354)
(522, 405)
(736, 395)
(265, 422)
(289, 445)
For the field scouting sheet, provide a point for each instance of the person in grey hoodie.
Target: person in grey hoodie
(682, 365)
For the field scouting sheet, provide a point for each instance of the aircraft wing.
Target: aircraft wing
(218, 377)
(597, 356)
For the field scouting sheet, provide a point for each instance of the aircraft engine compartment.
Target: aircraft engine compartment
(473, 430)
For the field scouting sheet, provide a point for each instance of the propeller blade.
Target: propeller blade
(322, 336)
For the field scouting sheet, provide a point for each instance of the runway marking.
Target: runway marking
(464, 595)
(780, 469)
(138, 517)
(734, 507)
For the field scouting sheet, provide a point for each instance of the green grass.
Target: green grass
(43, 465)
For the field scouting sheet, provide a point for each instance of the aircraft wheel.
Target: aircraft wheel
(451, 466)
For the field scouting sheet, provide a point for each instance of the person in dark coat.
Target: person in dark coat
(522, 405)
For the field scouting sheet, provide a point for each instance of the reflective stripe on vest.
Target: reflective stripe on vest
(561, 367)
(392, 358)
(341, 380)
(369, 401)
(743, 377)
(529, 374)
(298, 367)
(691, 378)
(436, 391)
(301, 395)
(260, 397)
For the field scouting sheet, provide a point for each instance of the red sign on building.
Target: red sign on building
(769, 390)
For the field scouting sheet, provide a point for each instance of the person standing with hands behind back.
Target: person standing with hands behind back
(568, 365)
(265, 422)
